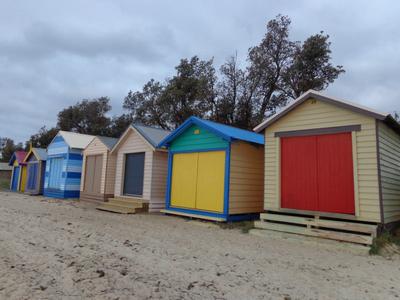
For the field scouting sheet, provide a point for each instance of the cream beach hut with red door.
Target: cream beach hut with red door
(332, 169)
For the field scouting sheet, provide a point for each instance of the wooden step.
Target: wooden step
(115, 208)
(317, 222)
(354, 232)
(126, 203)
(129, 200)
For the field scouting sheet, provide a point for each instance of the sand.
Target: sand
(59, 249)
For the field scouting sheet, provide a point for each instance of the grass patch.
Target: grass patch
(384, 239)
(243, 226)
(4, 184)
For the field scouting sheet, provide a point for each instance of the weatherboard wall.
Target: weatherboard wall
(314, 114)
(389, 153)
(246, 189)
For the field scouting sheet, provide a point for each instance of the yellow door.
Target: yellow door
(184, 178)
(23, 179)
(211, 181)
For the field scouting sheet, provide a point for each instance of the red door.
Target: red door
(317, 173)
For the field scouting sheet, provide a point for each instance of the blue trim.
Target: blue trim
(185, 125)
(200, 150)
(243, 217)
(74, 156)
(169, 178)
(226, 182)
(198, 212)
(58, 155)
(72, 175)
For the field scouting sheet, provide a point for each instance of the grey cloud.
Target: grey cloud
(59, 52)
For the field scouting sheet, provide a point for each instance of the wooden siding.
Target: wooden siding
(110, 174)
(96, 147)
(389, 148)
(133, 143)
(159, 181)
(197, 138)
(316, 114)
(246, 178)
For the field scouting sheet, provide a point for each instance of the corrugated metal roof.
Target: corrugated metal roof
(152, 134)
(227, 132)
(319, 96)
(108, 141)
(76, 140)
(40, 153)
(5, 167)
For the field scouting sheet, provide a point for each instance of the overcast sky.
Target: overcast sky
(55, 53)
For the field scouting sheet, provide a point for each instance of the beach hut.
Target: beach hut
(18, 178)
(332, 169)
(141, 171)
(215, 171)
(35, 162)
(98, 170)
(64, 164)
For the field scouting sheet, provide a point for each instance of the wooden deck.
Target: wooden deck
(124, 205)
(354, 232)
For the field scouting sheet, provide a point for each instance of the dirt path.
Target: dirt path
(68, 250)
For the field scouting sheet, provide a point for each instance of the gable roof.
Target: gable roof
(40, 154)
(109, 142)
(151, 135)
(387, 118)
(228, 133)
(76, 140)
(19, 156)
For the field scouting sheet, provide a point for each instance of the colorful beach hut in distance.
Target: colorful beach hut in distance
(35, 162)
(140, 171)
(18, 178)
(98, 170)
(64, 164)
(215, 171)
(332, 169)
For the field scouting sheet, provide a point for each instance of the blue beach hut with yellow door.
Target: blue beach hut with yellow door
(215, 171)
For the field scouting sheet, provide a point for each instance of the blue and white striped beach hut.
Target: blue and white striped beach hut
(64, 164)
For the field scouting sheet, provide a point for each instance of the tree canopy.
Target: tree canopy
(236, 93)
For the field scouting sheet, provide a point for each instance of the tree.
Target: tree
(189, 93)
(147, 106)
(119, 124)
(277, 71)
(8, 147)
(42, 138)
(310, 67)
(87, 116)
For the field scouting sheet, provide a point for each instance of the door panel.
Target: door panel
(93, 172)
(15, 179)
(134, 174)
(184, 180)
(32, 175)
(89, 173)
(55, 177)
(317, 173)
(98, 169)
(299, 173)
(211, 181)
(335, 173)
